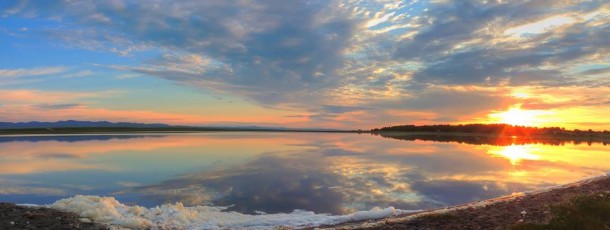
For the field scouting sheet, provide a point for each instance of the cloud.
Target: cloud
(57, 106)
(12, 73)
(597, 71)
(344, 61)
(485, 67)
(40, 97)
(267, 46)
(341, 109)
(39, 105)
(448, 100)
(12, 7)
(56, 112)
(94, 40)
(82, 73)
(464, 43)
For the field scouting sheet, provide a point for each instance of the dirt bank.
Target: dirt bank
(19, 217)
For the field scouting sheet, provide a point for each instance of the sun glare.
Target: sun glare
(517, 116)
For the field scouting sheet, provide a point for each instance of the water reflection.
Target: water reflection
(270, 183)
(515, 153)
(280, 172)
(69, 138)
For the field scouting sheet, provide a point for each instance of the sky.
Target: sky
(316, 63)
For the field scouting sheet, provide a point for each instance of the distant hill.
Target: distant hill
(105, 125)
(77, 124)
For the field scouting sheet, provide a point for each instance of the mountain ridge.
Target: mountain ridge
(108, 124)
(78, 124)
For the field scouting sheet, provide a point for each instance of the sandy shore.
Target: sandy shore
(499, 213)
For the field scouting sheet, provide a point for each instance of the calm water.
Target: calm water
(279, 172)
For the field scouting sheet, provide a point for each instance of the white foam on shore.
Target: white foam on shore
(29, 205)
(108, 210)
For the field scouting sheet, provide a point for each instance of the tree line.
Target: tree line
(504, 129)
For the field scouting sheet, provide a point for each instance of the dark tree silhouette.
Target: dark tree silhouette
(501, 129)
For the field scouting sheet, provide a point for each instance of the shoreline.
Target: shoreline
(532, 207)
(501, 212)
(459, 137)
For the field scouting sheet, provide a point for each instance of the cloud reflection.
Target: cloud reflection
(271, 184)
(340, 174)
(280, 172)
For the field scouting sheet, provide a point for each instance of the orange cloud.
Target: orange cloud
(24, 96)
(29, 105)
(30, 113)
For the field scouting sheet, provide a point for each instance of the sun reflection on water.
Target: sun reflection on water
(515, 153)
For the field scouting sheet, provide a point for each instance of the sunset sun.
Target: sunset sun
(518, 116)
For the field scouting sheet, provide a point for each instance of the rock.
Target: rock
(85, 220)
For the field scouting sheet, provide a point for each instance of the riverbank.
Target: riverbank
(578, 204)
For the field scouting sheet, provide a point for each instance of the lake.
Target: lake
(278, 172)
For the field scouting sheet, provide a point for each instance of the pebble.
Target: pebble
(12, 222)
(85, 220)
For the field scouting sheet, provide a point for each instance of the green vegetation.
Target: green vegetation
(590, 212)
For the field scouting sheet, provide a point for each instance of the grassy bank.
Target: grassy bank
(582, 212)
